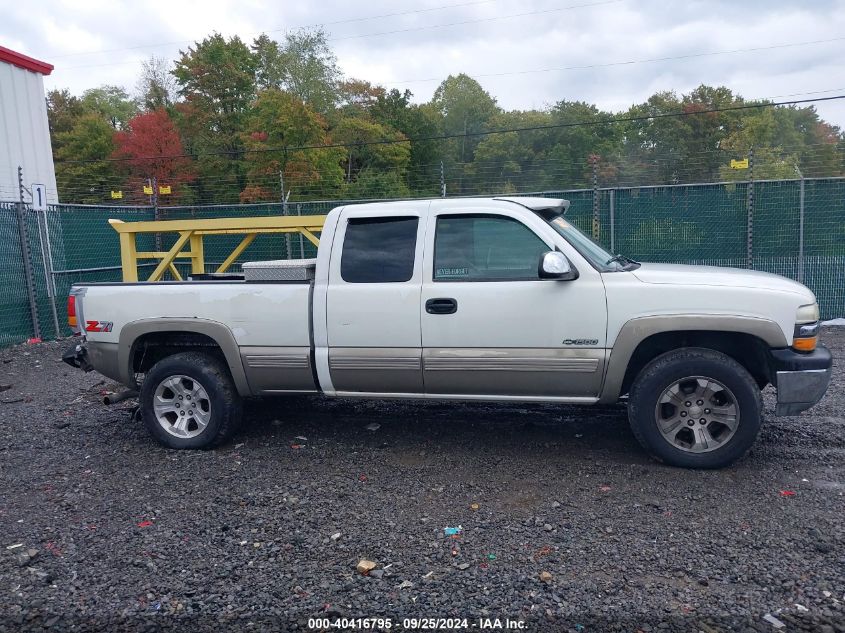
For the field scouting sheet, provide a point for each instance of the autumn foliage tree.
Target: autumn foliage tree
(150, 148)
(278, 121)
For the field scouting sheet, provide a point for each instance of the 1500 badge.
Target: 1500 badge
(580, 341)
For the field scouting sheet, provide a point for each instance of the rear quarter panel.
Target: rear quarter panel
(256, 314)
(262, 329)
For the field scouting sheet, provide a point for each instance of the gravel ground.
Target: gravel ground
(122, 534)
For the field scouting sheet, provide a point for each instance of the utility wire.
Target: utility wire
(443, 137)
(629, 62)
(475, 21)
(304, 26)
(397, 31)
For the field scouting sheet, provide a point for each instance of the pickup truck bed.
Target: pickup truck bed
(266, 336)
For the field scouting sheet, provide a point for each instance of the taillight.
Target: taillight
(71, 314)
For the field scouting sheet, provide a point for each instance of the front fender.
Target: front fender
(637, 330)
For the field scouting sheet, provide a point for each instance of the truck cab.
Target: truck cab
(451, 299)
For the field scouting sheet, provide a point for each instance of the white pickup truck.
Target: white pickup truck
(472, 299)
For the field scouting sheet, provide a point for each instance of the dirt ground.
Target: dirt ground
(102, 529)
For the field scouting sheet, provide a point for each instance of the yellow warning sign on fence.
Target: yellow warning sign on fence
(148, 190)
(739, 164)
(116, 195)
(164, 189)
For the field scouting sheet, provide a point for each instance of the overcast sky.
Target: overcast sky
(522, 51)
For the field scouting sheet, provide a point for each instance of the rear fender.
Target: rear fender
(218, 332)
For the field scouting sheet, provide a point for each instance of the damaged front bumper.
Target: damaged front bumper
(77, 356)
(801, 378)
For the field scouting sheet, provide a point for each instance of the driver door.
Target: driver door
(492, 327)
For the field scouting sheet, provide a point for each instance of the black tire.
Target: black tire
(670, 368)
(213, 376)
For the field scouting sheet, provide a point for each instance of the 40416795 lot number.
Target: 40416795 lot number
(415, 624)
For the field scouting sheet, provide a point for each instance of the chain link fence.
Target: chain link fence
(794, 228)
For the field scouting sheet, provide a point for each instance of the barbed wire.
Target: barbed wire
(640, 168)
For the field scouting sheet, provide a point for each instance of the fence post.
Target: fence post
(613, 221)
(47, 260)
(801, 230)
(594, 159)
(442, 181)
(749, 208)
(301, 241)
(285, 212)
(26, 256)
(156, 213)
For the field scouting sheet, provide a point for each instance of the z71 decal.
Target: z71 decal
(98, 326)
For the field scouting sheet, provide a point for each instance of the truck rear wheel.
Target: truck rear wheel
(188, 400)
(695, 408)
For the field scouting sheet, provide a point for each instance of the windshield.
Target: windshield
(597, 256)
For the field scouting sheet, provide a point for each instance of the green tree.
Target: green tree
(824, 155)
(156, 86)
(683, 140)
(759, 130)
(309, 70)
(372, 184)
(216, 78)
(394, 109)
(83, 175)
(465, 109)
(700, 134)
(112, 103)
(652, 152)
(372, 146)
(581, 137)
(498, 164)
(513, 160)
(359, 97)
(63, 109)
(277, 121)
(552, 150)
(801, 131)
(464, 104)
(268, 60)
(218, 75)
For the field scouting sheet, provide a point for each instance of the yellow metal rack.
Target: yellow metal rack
(192, 232)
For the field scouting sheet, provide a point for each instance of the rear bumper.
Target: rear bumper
(77, 356)
(801, 379)
(102, 357)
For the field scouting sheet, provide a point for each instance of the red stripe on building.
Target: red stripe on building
(23, 61)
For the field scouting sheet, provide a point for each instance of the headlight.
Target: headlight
(807, 314)
(806, 334)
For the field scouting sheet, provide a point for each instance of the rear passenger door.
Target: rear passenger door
(373, 302)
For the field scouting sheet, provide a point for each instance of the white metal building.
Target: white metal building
(24, 132)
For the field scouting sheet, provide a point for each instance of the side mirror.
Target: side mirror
(554, 265)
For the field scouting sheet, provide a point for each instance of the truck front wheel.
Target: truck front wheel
(695, 408)
(188, 400)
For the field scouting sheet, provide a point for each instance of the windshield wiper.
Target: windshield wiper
(622, 259)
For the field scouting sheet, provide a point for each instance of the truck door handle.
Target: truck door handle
(441, 306)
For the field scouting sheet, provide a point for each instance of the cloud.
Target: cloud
(484, 38)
